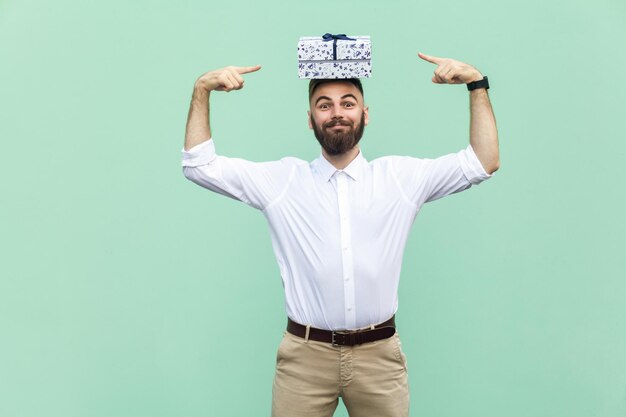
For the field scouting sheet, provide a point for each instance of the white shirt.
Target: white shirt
(338, 235)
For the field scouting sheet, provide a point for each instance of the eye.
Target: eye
(323, 106)
(348, 104)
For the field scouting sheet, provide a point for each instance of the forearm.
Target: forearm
(483, 131)
(198, 127)
(224, 79)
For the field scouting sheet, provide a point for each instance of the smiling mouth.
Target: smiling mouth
(337, 124)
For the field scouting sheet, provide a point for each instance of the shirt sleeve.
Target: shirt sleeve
(257, 184)
(424, 180)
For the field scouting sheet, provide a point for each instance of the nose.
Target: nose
(337, 112)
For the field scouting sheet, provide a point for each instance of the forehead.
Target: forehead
(335, 90)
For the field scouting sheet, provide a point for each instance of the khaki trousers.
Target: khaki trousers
(310, 377)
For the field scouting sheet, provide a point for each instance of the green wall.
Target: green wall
(126, 290)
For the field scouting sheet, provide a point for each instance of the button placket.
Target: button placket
(346, 245)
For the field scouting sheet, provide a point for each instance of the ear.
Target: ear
(366, 113)
(308, 112)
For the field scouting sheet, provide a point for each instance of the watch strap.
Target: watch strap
(484, 83)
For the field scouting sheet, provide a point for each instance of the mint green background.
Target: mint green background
(126, 290)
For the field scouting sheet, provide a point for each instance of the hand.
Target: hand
(224, 79)
(450, 71)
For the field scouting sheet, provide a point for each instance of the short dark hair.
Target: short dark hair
(314, 83)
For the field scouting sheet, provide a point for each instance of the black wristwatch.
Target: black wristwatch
(484, 83)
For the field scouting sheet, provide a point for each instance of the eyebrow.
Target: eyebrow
(321, 98)
(328, 98)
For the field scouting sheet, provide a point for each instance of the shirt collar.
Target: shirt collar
(354, 168)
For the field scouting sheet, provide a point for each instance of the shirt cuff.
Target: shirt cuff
(201, 154)
(471, 166)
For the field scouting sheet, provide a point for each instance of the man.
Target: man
(339, 226)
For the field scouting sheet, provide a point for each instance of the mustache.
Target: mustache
(336, 122)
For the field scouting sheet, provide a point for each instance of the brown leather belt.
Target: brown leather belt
(345, 337)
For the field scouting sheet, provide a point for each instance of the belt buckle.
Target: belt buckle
(333, 341)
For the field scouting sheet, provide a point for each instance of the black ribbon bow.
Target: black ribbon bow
(329, 37)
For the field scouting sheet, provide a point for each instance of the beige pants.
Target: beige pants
(310, 377)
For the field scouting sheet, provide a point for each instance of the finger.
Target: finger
(453, 76)
(440, 72)
(431, 59)
(439, 79)
(236, 85)
(447, 74)
(246, 70)
(237, 77)
(226, 82)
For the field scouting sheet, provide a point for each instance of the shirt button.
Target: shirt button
(347, 279)
(349, 308)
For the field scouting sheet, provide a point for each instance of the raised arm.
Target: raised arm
(483, 131)
(225, 79)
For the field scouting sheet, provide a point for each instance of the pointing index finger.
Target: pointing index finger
(431, 59)
(246, 70)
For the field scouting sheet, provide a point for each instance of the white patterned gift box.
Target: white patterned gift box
(334, 56)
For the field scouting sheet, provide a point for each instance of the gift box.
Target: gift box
(334, 56)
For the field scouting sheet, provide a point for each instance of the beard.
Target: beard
(338, 142)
